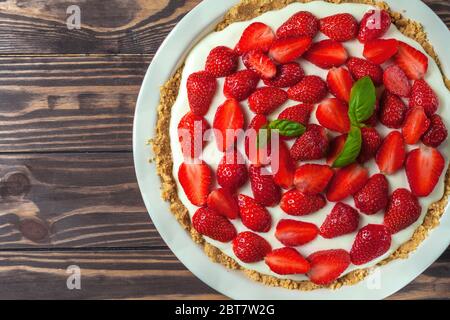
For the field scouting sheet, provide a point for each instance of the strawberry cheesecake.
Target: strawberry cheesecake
(305, 143)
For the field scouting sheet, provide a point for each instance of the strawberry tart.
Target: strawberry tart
(305, 143)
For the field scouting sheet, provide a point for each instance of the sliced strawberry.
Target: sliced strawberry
(250, 247)
(293, 233)
(412, 61)
(201, 88)
(224, 203)
(232, 172)
(436, 134)
(327, 54)
(267, 99)
(371, 242)
(221, 62)
(371, 142)
(301, 24)
(423, 96)
(339, 27)
(336, 147)
(343, 219)
(392, 153)
(373, 120)
(288, 50)
(265, 190)
(283, 167)
(258, 154)
(253, 215)
(312, 89)
(300, 113)
(257, 36)
(312, 145)
(393, 111)
(373, 197)
(327, 265)
(208, 223)
(374, 24)
(228, 119)
(296, 203)
(191, 131)
(240, 85)
(416, 124)
(424, 160)
(332, 113)
(346, 182)
(379, 51)
(312, 178)
(395, 81)
(403, 210)
(360, 68)
(287, 75)
(260, 63)
(196, 180)
(287, 261)
(340, 83)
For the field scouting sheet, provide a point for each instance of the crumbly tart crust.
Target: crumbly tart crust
(246, 10)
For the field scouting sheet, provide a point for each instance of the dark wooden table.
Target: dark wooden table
(68, 192)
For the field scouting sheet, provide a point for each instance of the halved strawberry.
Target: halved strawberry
(412, 61)
(373, 197)
(257, 36)
(312, 145)
(229, 118)
(424, 160)
(340, 83)
(436, 134)
(300, 113)
(403, 210)
(327, 265)
(250, 247)
(196, 180)
(257, 153)
(346, 182)
(422, 95)
(283, 167)
(290, 49)
(207, 222)
(287, 75)
(301, 24)
(312, 178)
(287, 261)
(224, 203)
(374, 24)
(201, 88)
(191, 130)
(416, 124)
(293, 233)
(312, 89)
(332, 113)
(393, 110)
(265, 191)
(379, 51)
(260, 63)
(395, 81)
(360, 68)
(392, 153)
(371, 142)
(296, 203)
(327, 54)
(232, 172)
(267, 99)
(336, 147)
(371, 242)
(240, 85)
(343, 219)
(340, 27)
(221, 62)
(253, 215)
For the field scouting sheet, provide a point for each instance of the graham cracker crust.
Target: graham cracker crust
(246, 10)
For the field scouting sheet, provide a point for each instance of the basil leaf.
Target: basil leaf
(351, 150)
(287, 128)
(362, 101)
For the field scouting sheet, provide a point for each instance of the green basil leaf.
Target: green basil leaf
(351, 150)
(362, 101)
(287, 128)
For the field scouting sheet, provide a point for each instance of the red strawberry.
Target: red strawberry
(257, 36)
(312, 178)
(201, 87)
(373, 120)
(265, 190)
(436, 134)
(191, 130)
(327, 54)
(312, 145)
(283, 167)
(250, 247)
(290, 49)
(300, 113)
(300, 24)
(293, 233)
(287, 75)
(416, 124)
(392, 153)
(254, 216)
(296, 203)
(393, 111)
(360, 68)
(240, 85)
(402, 211)
(395, 81)
(379, 51)
(423, 96)
(343, 219)
(228, 119)
(340, 83)
(266, 100)
(339, 27)
(287, 261)
(260, 63)
(257, 155)
(231, 171)
(371, 142)
(424, 160)
(208, 223)
(374, 24)
(346, 182)
(332, 113)
(196, 181)
(412, 61)
(327, 265)
(371, 242)
(224, 203)
(373, 197)
(312, 89)
(222, 62)
(336, 147)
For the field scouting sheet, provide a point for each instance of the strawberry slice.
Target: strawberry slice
(332, 113)
(207, 222)
(422, 95)
(191, 131)
(312, 178)
(265, 190)
(336, 147)
(412, 61)
(340, 27)
(312, 145)
(224, 203)
(342, 220)
(371, 242)
(232, 172)
(257, 36)
(295, 203)
(403, 210)
(229, 118)
(393, 110)
(260, 63)
(290, 49)
(312, 89)
(300, 113)
(250, 247)
(301, 24)
(392, 153)
(283, 167)
(287, 261)
(327, 265)
(253, 215)
(424, 159)
(360, 68)
(201, 88)
(373, 197)
(346, 182)
(293, 233)
(371, 142)
(395, 81)
(196, 180)
(240, 85)
(374, 24)
(327, 54)
(221, 62)
(379, 51)
(416, 124)
(436, 134)
(258, 154)
(340, 83)
(267, 99)
(288, 74)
